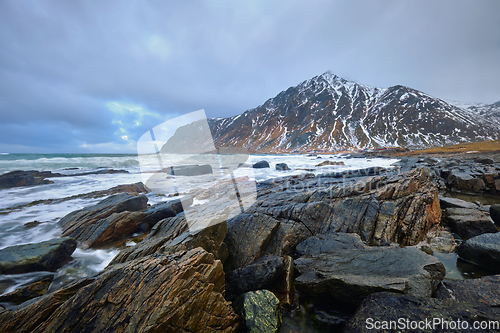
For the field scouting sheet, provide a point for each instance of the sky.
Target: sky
(93, 76)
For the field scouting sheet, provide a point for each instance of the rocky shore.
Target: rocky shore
(319, 253)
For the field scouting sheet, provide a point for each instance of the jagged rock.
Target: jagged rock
(329, 243)
(351, 275)
(330, 163)
(260, 311)
(284, 287)
(482, 250)
(495, 213)
(172, 235)
(261, 165)
(190, 170)
(468, 223)
(90, 222)
(282, 167)
(383, 308)
(182, 292)
(485, 290)
(163, 210)
(33, 313)
(258, 275)
(43, 256)
(455, 203)
(24, 178)
(25, 293)
(247, 238)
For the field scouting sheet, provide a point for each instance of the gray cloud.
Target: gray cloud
(63, 62)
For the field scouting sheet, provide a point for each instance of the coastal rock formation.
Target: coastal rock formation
(24, 178)
(261, 165)
(182, 292)
(282, 167)
(351, 275)
(384, 308)
(468, 223)
(329, 243)
(483, 250)
(28, 292)
(260, 311)
(43, 256)
(87, 225)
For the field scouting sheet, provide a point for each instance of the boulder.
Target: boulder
(484, 161)
(44, 256)
(260, 274)
(327, 243)
(260, 311)
(248, 236)
(165, 209)
(190, 170)
(485, 290)
(383, 312)
(25, 293)
(261, 165)
(87, 224)
(455, 203)
(24, 178)
(495, 213)
(282, 167)
(482, 250)
(465, 181)
(468, 223)
(351, 275)
(182, 292)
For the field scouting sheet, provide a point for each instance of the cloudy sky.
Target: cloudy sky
(93, 76)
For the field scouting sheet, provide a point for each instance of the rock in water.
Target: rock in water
(94, 225)
(282, 167)
(260, 311)
(495, 214)
(182, 292)
(351, 275)
(44, 256)
(483, 250)
(28, 292)
(385, 310)
(260, 165)
(190, 170)
(24, 178)
(325, 163)
(468, 223)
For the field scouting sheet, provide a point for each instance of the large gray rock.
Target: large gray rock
(466, 181)
(447, 202)
(282, 167)
(485, 290)
(261, 165)
(351, 275)
(495, 214)
(468, 223)
(259, 275)
(482, 250)
(43, 256)
(260, 311)
(382, 309)
(329, 243)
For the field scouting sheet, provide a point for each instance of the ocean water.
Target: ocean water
(16, 209)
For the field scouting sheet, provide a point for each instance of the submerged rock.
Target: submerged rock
(260, 311)
(25, 293)
(44, 256)
(351, 275)
(482, 250)
(387, 310)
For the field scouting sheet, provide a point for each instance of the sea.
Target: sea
(18, 206)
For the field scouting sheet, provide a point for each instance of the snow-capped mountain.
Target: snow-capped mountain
(330, 113)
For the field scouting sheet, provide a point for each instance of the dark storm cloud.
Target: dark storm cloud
(95, 75)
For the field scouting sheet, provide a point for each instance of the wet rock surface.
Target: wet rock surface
(351, 275)
(44, 256)
(485, 290)
(25, 293)
(261, 165)
(24, 178)
(260, 311)
(282, 167)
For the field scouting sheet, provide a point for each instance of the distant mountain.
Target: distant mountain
(330, 113)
